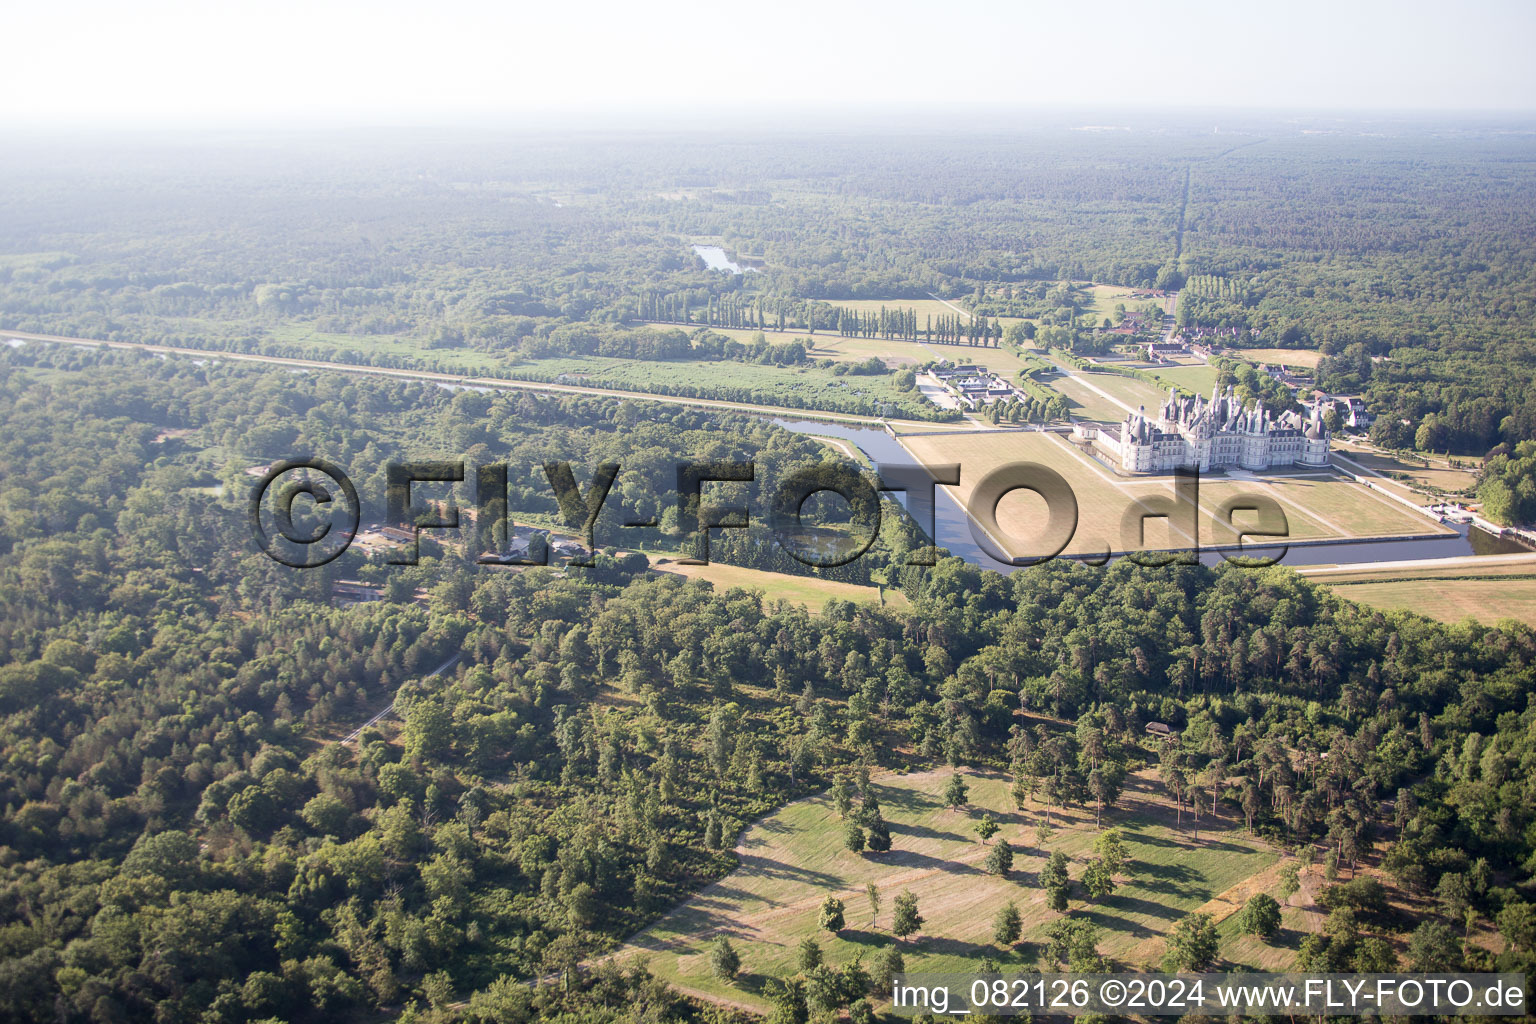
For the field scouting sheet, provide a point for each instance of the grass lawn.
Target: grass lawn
(1130, 390)
(777, 384)
(1315, 507)
(1083, 402)
(724, 379)
(1107, 296)
(415, 354)
(810, 591)
(1255, 954)
(1288, 356)
(924, 307)
(1487, 600)
(793, 859)
(895, 353)
(1481, 567)
(1437, 474)
(1196, 377)
(1345, 508)
(1003, 359)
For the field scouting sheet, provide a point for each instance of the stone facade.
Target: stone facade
(1217, 433)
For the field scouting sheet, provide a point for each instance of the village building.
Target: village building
(1351, 408)
(973, 385)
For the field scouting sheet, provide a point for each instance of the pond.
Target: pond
(956, 532)
(716, 259)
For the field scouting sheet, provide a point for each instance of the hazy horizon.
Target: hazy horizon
(175, 63)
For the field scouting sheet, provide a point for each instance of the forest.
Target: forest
(188, 836)
(1402, 254)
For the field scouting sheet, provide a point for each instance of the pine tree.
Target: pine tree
(724, 961)
(879, 839)
(1054, 880)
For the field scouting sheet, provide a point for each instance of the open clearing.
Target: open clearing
(1486, 600)
(1083, 402)
(825, 345)
(1286, 356)
(925, 307)
(1130, 390)
(808, 384)
(1487, 588)
(1194, 377)
(793, 859)
(1317, 506)
(1437, 474)
(1106, 296)
(1462, 567)
(810, 591)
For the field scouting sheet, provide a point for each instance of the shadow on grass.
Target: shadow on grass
(924, 832)
(911, 858)
(864, 937)
(940, 946)
(1287, 938)
(771, 868)
(1114, 922)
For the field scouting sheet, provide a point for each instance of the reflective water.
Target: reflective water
(954, 528)
(716, 259)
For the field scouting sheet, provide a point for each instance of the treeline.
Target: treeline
(1414, 247)
(1507, 486)
(169, 704)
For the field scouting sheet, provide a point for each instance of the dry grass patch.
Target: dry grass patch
(1485, 600)
(810, 591)
(795, 858)
(1317, 507)
(1286, 356)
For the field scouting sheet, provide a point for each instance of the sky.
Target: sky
(173, 62)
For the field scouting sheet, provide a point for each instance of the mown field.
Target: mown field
(1316, 507)
(1106, 296)
(810, 591)
(1196, 377)
(1484, 600)
(1130, 390)
(924, 307)
(795, 858)
(1486, 589)
(894, 353)
(1437, 474)
(1287, 356)
(1083, 402)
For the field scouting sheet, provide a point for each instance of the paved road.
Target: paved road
(1521, 559)
(389, 708)
(1170, 324)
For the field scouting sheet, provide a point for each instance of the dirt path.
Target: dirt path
(1224, 904)
(352, 736)
(951, 305)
